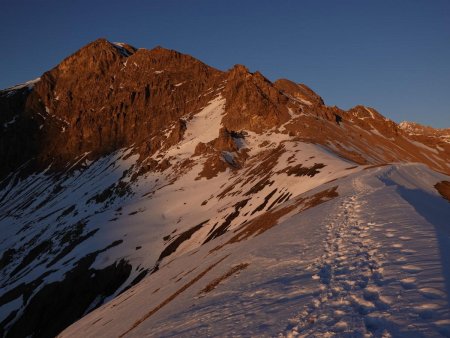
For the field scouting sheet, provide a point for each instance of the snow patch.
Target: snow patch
(202, 127)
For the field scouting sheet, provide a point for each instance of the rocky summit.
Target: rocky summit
(145, 193)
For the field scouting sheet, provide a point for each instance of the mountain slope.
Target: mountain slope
(377, 263)
(129, 170)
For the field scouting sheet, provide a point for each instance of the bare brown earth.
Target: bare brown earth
(172, 247)
(444, 189)
(269, 219)
(234, 270)
(376, 166)
(265, 222)
(300, 170)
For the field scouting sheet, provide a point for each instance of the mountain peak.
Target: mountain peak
(239, 70)
(99, 45)
(363, 112)
(98, 54)
(414, 128)
(99, 42)
(162, 49)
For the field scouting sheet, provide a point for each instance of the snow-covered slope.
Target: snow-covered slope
(372, 260)
(112, 225)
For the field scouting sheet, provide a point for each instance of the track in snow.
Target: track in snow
(354, 298)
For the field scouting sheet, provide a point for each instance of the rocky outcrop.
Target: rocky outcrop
(432, 137)
(298, 91)
(253, 103)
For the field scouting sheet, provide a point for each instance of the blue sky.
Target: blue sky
(390, 55)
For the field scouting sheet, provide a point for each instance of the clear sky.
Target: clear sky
(390, 55)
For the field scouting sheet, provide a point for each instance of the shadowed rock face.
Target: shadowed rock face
(57, 305)
(19, 141)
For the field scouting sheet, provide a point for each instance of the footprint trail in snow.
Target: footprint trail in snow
(377, 277)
